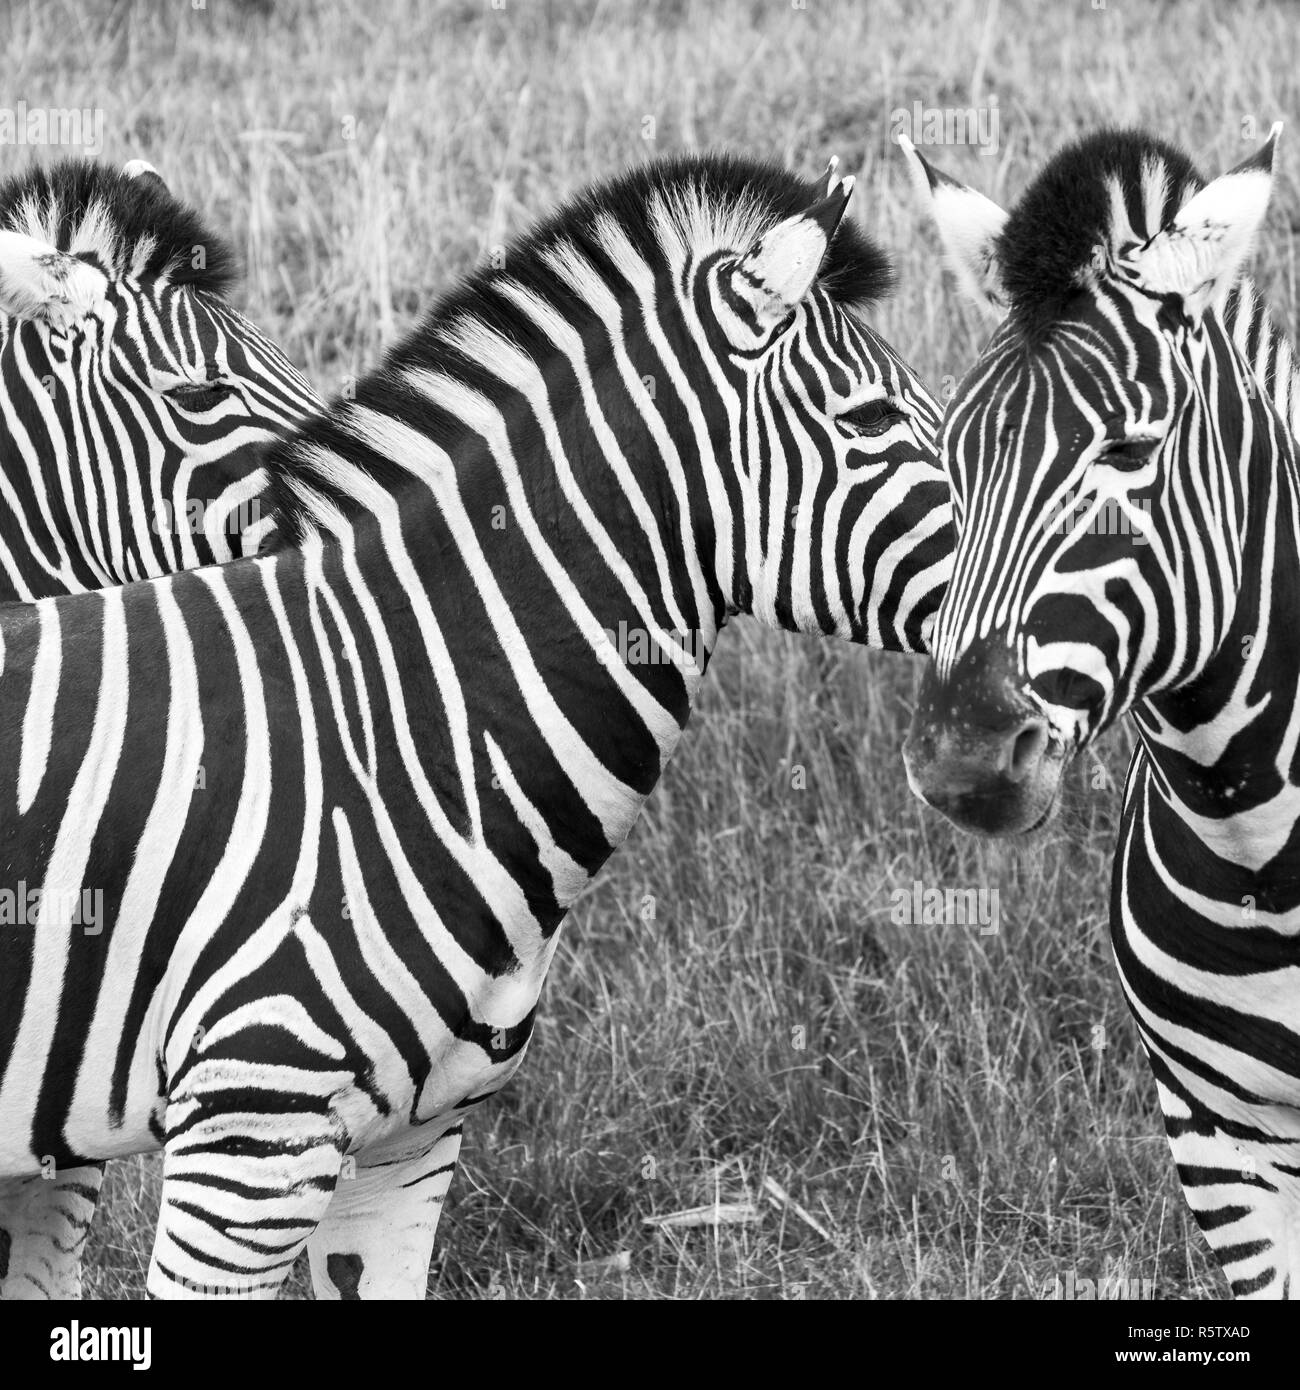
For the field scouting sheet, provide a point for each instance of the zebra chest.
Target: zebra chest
(397, 1102)
(1207, 945)
(431, 985)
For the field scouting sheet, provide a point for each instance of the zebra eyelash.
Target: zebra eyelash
(200, 395)
(871, 418)
(1131, 453)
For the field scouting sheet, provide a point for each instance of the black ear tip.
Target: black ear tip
(141, 172)
(827, 212)
(1263, 158)
(934, 177)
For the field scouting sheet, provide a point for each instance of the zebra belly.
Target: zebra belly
(301, 1006)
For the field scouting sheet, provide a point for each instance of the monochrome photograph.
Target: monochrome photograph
(647, 653)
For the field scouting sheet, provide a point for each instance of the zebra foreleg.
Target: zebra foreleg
(376, 1240)
(44, 1223)
(239, 1201)
(1244, 1189)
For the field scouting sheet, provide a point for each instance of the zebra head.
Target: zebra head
(699, 322)
(840, 518)
(133, 399)
(846, 513)
(1098, 454)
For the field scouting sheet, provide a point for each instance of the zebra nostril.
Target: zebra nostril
(1025, 749)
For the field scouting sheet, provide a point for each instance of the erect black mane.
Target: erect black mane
(1061, 219)
(854, 271)
(64, 199)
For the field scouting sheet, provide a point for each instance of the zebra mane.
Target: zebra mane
(1097, 195)
(131, 228)
(701, 203)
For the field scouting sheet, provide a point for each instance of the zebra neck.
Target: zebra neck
(1225, 744)
(548, 636)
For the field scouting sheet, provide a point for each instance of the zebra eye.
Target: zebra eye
(871, 418)
(1129, 453)
(200, 395)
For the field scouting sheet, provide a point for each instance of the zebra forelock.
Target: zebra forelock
(133, 228)
(1096, 197)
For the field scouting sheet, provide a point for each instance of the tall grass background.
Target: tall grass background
(949, 1114)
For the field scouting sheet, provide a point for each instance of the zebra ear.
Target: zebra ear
(45, 285)
(1202, 251)
(765, 285)
(144, 171)
(969, 225)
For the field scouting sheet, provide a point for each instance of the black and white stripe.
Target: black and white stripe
(1137, 379)
(338, 798)
(133, 399)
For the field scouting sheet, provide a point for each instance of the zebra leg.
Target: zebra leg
(1243, 1187)
(241, 1194)
(376, 1240)
(43, 1228)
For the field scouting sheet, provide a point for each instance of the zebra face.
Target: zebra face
(852, 508)
(173, 396)
(217, 386)
(1094, 453)
(846, 510)
(1060, 470)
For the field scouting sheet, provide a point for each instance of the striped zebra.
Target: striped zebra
(133, 402)
(1124, 464)
(133, 399)
(305, 825)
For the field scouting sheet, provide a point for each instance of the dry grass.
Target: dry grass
(950, 1122)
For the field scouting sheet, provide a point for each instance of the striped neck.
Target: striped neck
(535, 566)
(656, 411)
(1224, 743)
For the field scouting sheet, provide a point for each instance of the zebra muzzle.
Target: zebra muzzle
(977, 752)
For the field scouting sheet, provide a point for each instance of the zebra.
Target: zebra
(1123, 459)
(417, 734)
(133, 399)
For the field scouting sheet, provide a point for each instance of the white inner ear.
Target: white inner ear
(969, 225)
(1200, 254)
(44, 285)
(777, 274)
